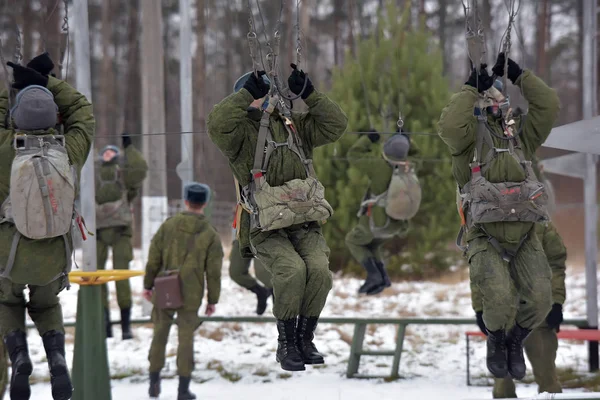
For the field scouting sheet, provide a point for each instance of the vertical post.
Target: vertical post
(154, 199)
(91, 379)
(185, 83)
(590, 69)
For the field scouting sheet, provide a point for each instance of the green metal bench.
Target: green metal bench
(360, 327)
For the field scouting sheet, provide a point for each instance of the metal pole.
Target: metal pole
(185, 82)
(154, 199)
(91, 379)
(590, 69)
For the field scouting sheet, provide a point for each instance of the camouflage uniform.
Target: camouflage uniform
(297, 257)
(203, 260)
(529, 278)
(3, 370)
(541, 345)
(239, 268)
(38, 263)
(118, 180)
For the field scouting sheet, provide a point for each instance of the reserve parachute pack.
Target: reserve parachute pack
(115, 212)
(41, 200)
(481, 201)
(402, 198)
(295, 202)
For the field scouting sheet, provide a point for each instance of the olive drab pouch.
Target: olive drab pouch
(42, 187)
(485, 201)
(295, 202)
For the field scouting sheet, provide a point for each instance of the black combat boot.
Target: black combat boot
(126, 323)
(306, 334)
(16, 345)
(288, 354)
(107, 323)
(374, 283)
(54, 343)
(496, 353)
(262, 295)
(154, 390)
(386, 279)
(514, 343)
(183, 393)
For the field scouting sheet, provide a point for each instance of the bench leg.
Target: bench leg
(398, 351)
(356, 349)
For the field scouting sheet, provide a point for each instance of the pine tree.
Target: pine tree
(402, 70)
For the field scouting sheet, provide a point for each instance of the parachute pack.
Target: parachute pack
(41, 201)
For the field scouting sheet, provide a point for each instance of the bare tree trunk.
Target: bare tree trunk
(291, 39)
(50, 21)
(199, 77)
(541, 38)
(486, 20)
(105, 101)
(442, 15)
(132, 84)
(336, 32)
(580, 82)
(28, 25)
(351, 41)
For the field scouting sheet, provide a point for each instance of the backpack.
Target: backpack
(402, 198)
(117, 211)
(42, 187)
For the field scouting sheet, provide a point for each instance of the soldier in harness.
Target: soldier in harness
(281, 200)
(501, 201)
(38, 184)
(119, 177)
(393, 197)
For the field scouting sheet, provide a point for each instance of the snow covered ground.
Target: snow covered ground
(239, 359)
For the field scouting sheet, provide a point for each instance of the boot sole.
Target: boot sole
(285, 368)
(19, 387)
(62, 388)
(314, 362)
(376, 290)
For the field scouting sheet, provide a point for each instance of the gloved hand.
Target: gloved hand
(373, 135)
(24, 76)
(42, 64)
(482, 82)
(555, 317)
(296, 82)
(513, 69)
(126, 140)
(257, 87)
(480, 323)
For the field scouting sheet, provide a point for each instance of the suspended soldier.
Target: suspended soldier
(269, 151)
(393, 197)
(38, 185)
(501, 201)
(119, 178)
(541, 345)
(188, 246)
(239, 271)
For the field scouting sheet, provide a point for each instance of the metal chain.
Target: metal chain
(252, 40)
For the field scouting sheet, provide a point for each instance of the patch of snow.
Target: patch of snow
(239, 358)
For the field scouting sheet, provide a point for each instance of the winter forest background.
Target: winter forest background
(413, 55)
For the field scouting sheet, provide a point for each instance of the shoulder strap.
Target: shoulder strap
(259, 152)
(298, 149)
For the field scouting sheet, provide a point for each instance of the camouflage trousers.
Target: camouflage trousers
(363, 243)
(298, 260)
(521, 288)
(43, 307)
(540, 347)
(239, 269)
(3, 369)
(187, 323)
(119, 238)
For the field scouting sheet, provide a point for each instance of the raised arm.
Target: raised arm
(214, 264)
(324, 123)
(136, 169)
(544, 107)
(78, 118)
(228, 125)
(457, 126)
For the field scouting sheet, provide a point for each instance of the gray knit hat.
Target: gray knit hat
(35, 109)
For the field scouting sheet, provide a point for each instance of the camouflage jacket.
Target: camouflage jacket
(188, 243)
(133, 170)
(458, 129)
(38, 261)
(233, 127)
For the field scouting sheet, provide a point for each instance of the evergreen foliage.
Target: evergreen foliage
(402, 71)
